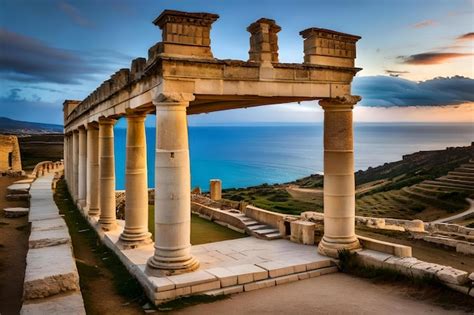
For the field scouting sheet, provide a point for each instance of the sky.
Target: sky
(417, 55)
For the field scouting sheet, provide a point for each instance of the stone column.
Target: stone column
(65, 157)
(215, 189)
(339, 182)
(92, 170)
(136, 232)
(75, 162)
(172, 186)
(107, 174)
(82, 168)
(71, 165)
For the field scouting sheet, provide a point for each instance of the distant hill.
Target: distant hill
(17, 127)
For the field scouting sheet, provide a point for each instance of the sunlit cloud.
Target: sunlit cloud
(466, 37)
(432, 58)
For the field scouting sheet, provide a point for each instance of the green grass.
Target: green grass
(202, 231)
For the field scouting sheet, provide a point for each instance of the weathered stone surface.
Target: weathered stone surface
(18, 197)
(425, 269)
(49, 224)
(49, 271)
(465, 248)
(18, 188)
(10, 160)
(451, 275)
(302, 232)
(15, 212)
(44, 238)
(70, 304)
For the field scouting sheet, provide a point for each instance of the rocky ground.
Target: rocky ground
(14, 234)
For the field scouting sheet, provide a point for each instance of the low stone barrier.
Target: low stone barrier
(273, 219)
(50, 264)
(456, 279)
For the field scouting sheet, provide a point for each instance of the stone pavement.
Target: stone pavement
(226, 267)
(51, 278)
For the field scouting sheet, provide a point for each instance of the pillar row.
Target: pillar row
(75, 164)
(172, 187)
(82, 168)
(93, 186)
(107, 218)
(135, 232)
(339, 181)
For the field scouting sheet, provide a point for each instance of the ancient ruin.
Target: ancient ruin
(10, 159)
(181, 77)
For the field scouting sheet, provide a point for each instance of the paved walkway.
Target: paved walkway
(461, 215)
(332, 294)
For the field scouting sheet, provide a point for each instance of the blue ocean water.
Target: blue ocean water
(243, 156)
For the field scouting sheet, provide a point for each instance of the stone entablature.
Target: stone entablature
(183, 62)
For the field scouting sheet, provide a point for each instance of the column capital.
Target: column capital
(344, 102)
(136, 114)
(107, 121)
(173, 98)
(93, 125)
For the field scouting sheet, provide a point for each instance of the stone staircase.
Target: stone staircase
(255, 228)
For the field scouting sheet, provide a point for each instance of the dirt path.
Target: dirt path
(106, 286)
(14, 233)
(331, 294)
(468, 213)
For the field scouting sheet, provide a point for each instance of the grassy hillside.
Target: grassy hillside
(402, 189)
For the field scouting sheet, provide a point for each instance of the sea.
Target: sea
(249, 155)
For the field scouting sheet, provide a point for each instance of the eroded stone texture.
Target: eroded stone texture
(10, 160)
(15, 212)
(50, 270)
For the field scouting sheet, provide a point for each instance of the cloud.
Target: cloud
(75, 14)
(423, 24)
(431, 58)
(15, 106)
(25, 59)
(395, 73)
(386, 91)
(467, 36)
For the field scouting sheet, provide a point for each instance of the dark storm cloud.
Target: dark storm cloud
(25, 59)
(431, 58)
(386, 91)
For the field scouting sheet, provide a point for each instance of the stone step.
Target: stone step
(18, 197)
(268, 230)
(16, 212)
(257, 227)
(273, 236)
(251, 223)
(469, 165)
(461, 177)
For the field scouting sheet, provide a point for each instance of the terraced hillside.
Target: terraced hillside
(428, 200)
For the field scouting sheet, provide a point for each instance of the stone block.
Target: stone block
(15, 212)
(286, 279)
(191, 278)
(465, 248)
(205, 286)
(371, 258)
(226, 291)
(302, 232)
(248, 273)
(227, 278)
(276, 269)
(425, 269)
(47, 238)
(71, 304)
(303, 276)
(49, 271)
(161, 284)
(328, 270)
(259, 285)
(454, 276)
(314, 273)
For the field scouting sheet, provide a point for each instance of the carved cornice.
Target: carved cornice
(172, 16)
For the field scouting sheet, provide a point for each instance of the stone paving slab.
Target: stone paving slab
(49, 271)
(70, 304)
(52, 237)
(16, 212)
(51, 224)
(226, 265)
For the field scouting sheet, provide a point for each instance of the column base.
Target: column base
(107, 225)
(130, 241)
(93, 212)
(163, 266)
(331, 249)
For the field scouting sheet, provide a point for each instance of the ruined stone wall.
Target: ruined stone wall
(10, 160)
